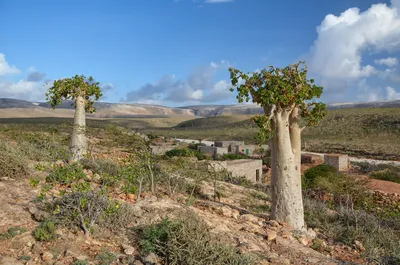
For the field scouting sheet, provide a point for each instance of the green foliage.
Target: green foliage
(12, 232)
(347, 225)
(25, 258)
(66, 174)
(40, 167)
(12, 164)
(311, 175)
(278, 89)
(46, 231)
(72, 88)
(188, 241)
(80, 262)
(101, 166)
(85, 209)
(232, 157)
(106, 258)
(387, 174)
(34, 182)
(181, 152)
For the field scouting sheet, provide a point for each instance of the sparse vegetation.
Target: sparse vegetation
(12, 232)
(188, 241)
(46, 231)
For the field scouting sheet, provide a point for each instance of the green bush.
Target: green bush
(84, 209)
(181, 152)
(12, 232)
(101, 166)
(106, 258)
(46, 231)
(66, 174)
(232, 157)
(188, 241)
(311, 175)
(346, 225)
(387, 175)
(12, 164)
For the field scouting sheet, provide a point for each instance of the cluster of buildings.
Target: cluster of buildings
(252, 168)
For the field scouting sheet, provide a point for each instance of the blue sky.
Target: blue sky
(178, 52)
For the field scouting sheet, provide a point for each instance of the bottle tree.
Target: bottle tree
(286, 96)
(83, 92)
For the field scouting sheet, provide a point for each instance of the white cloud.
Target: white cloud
(217, 1)
(23, 89)
(337, 56)
(198, 87)
(392, 94)
(5, 68)
(390, 61)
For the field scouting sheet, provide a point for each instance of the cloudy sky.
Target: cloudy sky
(177, 52)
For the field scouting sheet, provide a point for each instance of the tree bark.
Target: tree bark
(78, 139)
(287, 203)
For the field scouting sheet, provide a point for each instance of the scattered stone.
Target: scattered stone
(235, 214)
(128, 250)
(271, 235)
(37, 248)
(75, 252)
(226, 211)
(23, 241)
(151, 259)
(311, 233)
(273, 223)
(249, 218)
(40, 215)
(9, 261)
(46, 256)
(137, 262)
(359, 245)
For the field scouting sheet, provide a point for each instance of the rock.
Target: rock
(273, 223)
(311, 233)
(137, 262)
(9, 261)
(46, 256)
(40, 215)
(21, 242)
(359, 245)
(37, 248)
(305, 240)
(271, 235)
(151, 259)
(128, 250)
(249, 218)
(75, 252)
(235, 214)
(226, 211)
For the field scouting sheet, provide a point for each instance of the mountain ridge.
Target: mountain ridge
(25, 108)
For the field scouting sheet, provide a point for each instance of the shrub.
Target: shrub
(101, 166)
(66, 174)
(88, 208)
(321, 171)
(188, 241)
(12, 164)
(347, 225)
(182, 152)
(106, 258)
(12, 232)
(232, 157)
(46, 231)
(387, 175)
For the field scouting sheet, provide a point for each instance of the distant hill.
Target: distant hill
(15, 108)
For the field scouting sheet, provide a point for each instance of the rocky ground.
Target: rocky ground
(229, 218)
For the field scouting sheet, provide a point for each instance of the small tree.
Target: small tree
(285, 96)
(83, 92)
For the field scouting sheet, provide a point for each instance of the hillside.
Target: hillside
(15, 108)
(368, 132)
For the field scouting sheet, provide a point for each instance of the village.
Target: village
(248, 161)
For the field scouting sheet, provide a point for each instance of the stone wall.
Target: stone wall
(250, 149)
(340, 162)
(229, 144)
(162, 149)
(212, 150)
(249, 168)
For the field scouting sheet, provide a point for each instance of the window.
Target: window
(257, 175)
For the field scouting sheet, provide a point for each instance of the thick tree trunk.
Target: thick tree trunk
(78, 139)
(287, 203)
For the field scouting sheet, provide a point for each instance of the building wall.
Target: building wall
(247, 168)
(228, 144)
(340, 162)
(162, 149)
(251, 149)
(212, 150)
